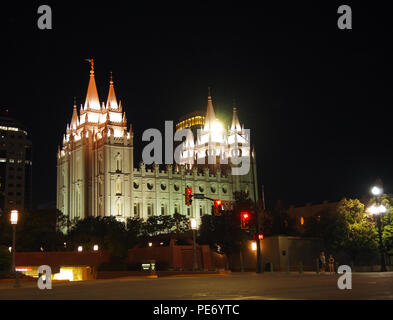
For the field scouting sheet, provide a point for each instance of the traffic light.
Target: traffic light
(257, 236)
(217, 208)
(244, 220)
(188, 196)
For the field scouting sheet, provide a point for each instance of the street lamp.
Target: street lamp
(14, 221)
(193, 224)
(376, 190)
(377, 210)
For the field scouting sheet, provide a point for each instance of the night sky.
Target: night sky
(317, 99)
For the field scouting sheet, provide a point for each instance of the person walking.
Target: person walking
(331, 264)
(322, 258)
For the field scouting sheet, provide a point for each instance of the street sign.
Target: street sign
(199, 196)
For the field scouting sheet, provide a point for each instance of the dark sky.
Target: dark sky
(317, 99)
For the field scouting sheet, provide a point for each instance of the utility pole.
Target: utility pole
(259, 255)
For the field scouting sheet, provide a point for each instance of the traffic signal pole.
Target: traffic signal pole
(259, 255)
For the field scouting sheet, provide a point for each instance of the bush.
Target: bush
(5, 259)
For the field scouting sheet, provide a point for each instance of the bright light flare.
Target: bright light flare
(253, 246)
(193, 223)
(377, 209)
(14, 216)
(376, 191)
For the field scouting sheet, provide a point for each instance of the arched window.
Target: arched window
(118, 208)
(162, 209)
(119, 163)
(78, 169)
(136, 209)
(149, 209)
(118, 186)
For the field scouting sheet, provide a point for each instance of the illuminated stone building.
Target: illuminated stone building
(96, 174)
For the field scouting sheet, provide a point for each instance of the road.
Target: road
(235, 286)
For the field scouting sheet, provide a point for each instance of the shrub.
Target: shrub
(5, 259)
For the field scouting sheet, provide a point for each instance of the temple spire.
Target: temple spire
(74, 120)
(92, 100)
(235, 127)
(210, 115)
(112, 101)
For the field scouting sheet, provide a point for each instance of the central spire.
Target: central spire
(235, 127)
(92, 100)
(210, 115)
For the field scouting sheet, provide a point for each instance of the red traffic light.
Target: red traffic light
(244, 220)
(217, 207)
(245, 215)
(188, 196)
(260, 236)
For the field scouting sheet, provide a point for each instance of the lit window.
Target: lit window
(118, 186)
(162, 209)
(118, 208)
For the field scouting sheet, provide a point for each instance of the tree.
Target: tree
(387, 224)
(107, 232)
(36, 229)
(180, 223)
(5, 259)
(350, 230)
(277, 221)
(224, 231)
(134, 231)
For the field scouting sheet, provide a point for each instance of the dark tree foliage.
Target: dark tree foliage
(36, 229)
(5, 259)
(107, 232)
(224, 231)
(277, 221)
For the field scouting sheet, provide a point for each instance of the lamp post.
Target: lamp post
(14, 221)
(193, 225)
(377, 210)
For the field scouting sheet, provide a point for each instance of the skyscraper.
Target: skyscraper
(15, 165)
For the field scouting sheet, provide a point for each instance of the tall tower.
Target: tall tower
(15, 165)
(95, 162)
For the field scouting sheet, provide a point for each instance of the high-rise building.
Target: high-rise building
(15, 165)
(96, 174)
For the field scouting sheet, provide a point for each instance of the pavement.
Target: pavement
(234, 286)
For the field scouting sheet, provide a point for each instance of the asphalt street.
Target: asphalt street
(235, 286)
